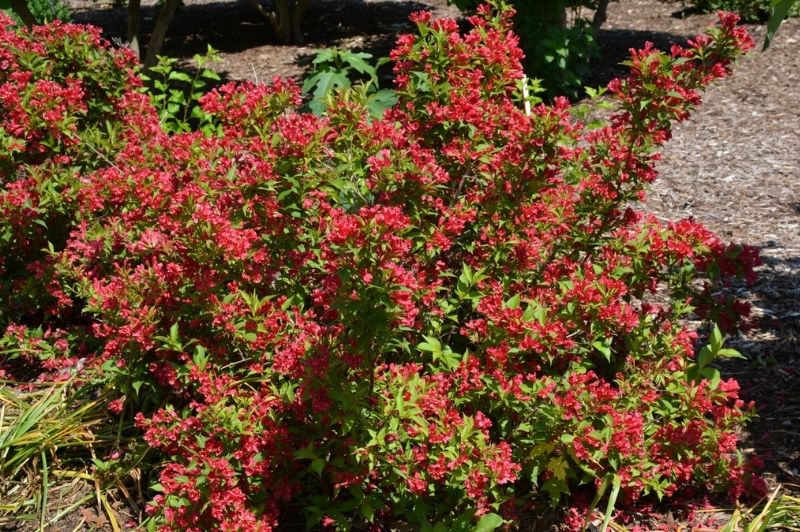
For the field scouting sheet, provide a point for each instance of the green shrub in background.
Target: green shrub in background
(558, 40)
(45, 11)
(42, 11)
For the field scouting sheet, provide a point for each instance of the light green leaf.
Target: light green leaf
(730, 353)
(513, 302)
(705, 357)
(488, 522)
(379, 102)
(179, 76)
(716, 339)
(603, 348)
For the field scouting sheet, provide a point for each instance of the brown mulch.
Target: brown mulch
(735, 165)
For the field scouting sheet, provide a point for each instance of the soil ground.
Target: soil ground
(735, 165)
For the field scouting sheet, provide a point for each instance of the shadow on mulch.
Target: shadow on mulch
(771, 376)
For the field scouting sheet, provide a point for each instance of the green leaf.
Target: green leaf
(430, 345)
(730, 353)
(488, 522)
(603, 348)
(612, 501)
(324, 83)
(317, 466)
(705, 357)
(513, 302)
(368, 512)
(558, 467)
(423, 81)
(179, 76)
(780, 10)
(200, 357)
(306, 453)
(379, 102)
(311, 82)
(713, 376)
(357, 61)
(716, 339)
(325, 56)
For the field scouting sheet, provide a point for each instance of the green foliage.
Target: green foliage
(43, 11)
(335, 70)
(176, 94)
(561, 58)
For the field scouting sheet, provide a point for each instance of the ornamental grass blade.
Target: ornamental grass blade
(780, 9)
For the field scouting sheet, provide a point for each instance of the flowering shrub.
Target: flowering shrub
(444, 316)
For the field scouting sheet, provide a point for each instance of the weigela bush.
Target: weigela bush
(448, 316)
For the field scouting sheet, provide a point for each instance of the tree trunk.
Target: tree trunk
(600, 14)
(297, 16)
(20, 7)
(282, 20)
(160, 31)
(134, 22)
(285, 19)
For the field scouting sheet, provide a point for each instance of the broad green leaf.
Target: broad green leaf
(488, 522)
(357, 61)
(713, 376)
(379, 102)
(306, 453)
(513, 302)
(325, 56)
(430, 345)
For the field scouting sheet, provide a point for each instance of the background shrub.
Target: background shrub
(41, 11)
